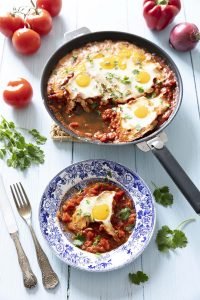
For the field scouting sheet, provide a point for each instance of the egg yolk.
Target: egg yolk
(141, 112)
(83, 79)
(143, 77)
(98, 55)
(100, 212)
(108, 63)
(138, 57)
(121, 64)
(125, 53)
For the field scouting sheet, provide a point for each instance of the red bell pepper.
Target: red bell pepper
(160, 13)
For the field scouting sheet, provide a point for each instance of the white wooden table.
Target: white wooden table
(173, 276)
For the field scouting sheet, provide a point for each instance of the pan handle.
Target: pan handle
(68, 36)
(181, 179)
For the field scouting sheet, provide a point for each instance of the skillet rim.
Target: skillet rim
(132, 38)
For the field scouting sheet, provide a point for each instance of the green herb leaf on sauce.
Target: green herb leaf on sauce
(96, 240)
(79, 240)
(163, 196)
(129, 228)
(135, 72)
(74, 58)
(139, 88)
(138, 277)
(126, 116)
(94, 105)
(126, 80)
(124, 213)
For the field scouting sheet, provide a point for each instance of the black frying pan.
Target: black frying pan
(154, 141)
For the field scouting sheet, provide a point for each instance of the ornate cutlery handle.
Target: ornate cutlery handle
(49, 277)
(28, 276)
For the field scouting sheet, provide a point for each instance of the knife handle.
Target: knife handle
(29, 278)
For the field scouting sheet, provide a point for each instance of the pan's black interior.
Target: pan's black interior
(101, 36)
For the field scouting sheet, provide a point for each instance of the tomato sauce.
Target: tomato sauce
(94, 237)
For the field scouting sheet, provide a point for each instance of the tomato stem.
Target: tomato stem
(162, 2)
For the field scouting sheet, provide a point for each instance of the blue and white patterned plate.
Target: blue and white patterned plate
(77, 175)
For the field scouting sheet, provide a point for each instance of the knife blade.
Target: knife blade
(7, 210)
(29, 277)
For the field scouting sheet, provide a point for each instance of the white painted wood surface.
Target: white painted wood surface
(172, 277)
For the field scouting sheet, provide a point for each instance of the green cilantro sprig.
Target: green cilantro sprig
(79, 240)
(138, 277)
(163, 196)
(168, 239)
(124, 213)
(16, 150)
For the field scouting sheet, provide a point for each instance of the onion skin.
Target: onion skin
(184, 37)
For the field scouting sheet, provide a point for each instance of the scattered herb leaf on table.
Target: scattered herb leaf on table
(138, 277)
(18, 152)
(163, 196)
(168, 239)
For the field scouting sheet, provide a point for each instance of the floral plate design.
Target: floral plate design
(78, 175)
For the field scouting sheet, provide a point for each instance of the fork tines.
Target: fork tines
(19, 195)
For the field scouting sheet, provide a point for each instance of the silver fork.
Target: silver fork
(49, 277)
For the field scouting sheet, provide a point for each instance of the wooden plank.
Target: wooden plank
(36, 178)
(169, 276)
(113, 285)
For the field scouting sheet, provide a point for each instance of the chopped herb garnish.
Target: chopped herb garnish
(21, 154)
(124, 213)
(79, 212)
(163, 196)
(86, 214)
(135, 72)
(138, 277)
(138, 127)
(125, 80)
(89, 59)
(74, 58)
(94, 105)
(139, 88)
(96, 240)
(126, 116)
(109, 173)
(79, 240)
(168, 239)
(129, 228)
(39, 139)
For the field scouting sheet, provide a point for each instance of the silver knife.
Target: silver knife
(29, 278)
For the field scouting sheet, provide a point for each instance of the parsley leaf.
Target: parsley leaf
(138, 277)
(96, 240)
(139, 88)
(125, 80)
(135, 71)
(79, 240)
(167, 238)
(39, 139)
(124, 213)
(163, 196)
(19, 153)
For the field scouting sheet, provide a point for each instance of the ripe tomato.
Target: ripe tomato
(10, 23)
(26, 41)
(18, 93)
(52, 6)
(40, 21)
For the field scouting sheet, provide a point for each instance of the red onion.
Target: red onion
(184, 36)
